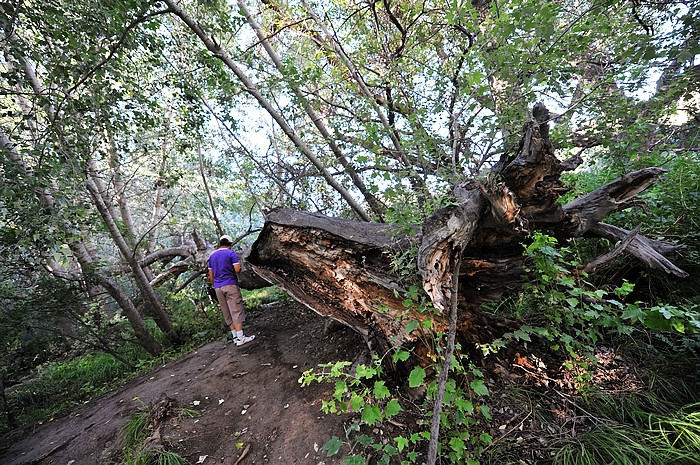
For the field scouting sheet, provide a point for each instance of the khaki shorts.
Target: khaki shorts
(231, 303)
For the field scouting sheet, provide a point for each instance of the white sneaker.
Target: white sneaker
(242, 340)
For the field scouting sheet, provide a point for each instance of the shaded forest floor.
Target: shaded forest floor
(247, 399)
(244, 405)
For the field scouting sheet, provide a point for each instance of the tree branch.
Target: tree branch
(251, 88)
(584, 212)
(640, 247)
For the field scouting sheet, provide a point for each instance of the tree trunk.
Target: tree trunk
(148, 293)
(45, 196)
(117, 292)
(11, 420)
(251, 88)
(343, 269)
(87, 263)
(339, 268)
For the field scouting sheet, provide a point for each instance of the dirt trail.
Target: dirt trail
(248, 400)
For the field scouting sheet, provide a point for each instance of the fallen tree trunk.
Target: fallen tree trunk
(339, 268)
(344, 270)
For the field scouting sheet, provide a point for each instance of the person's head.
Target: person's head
(225, 241)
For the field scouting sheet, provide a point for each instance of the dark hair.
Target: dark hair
(225, 242)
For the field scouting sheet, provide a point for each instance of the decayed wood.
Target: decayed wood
(648, 251)
(605, 259)
(533, 172)
(342, 269)
(445, 235)
(587, 211)
(339, 268)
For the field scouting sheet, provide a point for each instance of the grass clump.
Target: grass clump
(599, 429)
(155, 457)
(259, 297)
(672, 439)
(141, 440)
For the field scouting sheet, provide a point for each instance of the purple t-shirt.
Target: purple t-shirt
(221, 262)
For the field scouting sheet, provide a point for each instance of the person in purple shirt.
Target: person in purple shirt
(223, 266)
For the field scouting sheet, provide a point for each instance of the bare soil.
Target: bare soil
(250, 407)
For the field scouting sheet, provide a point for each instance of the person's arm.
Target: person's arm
(234, 261)
(211, 276)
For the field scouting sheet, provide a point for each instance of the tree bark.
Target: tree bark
(156, 214)
(45, 196)
(339, 268)
(215, 217)
(117, 292)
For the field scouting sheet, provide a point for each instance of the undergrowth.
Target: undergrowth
(60, 385)
(574, 421)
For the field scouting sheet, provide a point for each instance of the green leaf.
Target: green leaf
(486, 438)
(655, 320)
(364, 440)
(340, 389)
(371, 414)
(668, 311)
(625, 289)
(354, 460)
(380, 390)
(338, 367)
(464, 405)
(401, 442)
(416, 377)
(364, 371)
(411, 326)
(479, 387)
(591, 314)
(457, 444)
(392, 408)
(356, 402)
(522, 335)
(401, 355)
(567, 281)
(333, 446)
(694, 322)
(678, 325)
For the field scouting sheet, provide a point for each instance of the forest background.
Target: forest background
(134, 133)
